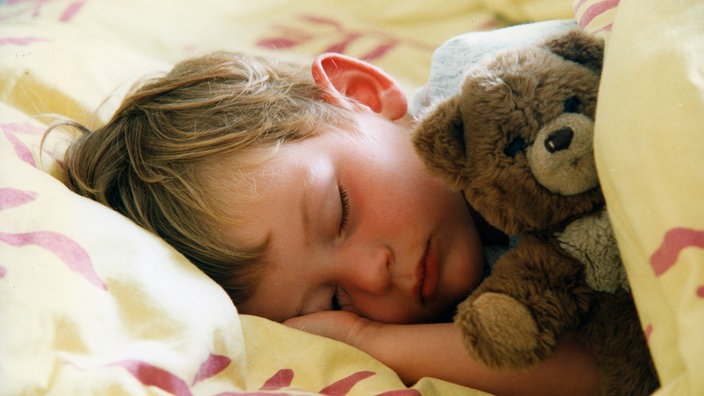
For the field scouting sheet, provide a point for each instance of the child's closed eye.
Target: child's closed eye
(340, 300)
(345, 205)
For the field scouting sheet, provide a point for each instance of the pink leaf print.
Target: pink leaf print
(22, 151)
(284, 377)
(65, 248)
(675, 240)
(379, 51)
(24, 128)
(281, 379)
(154, 376)
(606, 28)
(71, 10)
(343, 386)
(278, 43)
(11, 197)
(342, 45)
(336, 37)
(595, 10)
(19, 40)
(318, 20)
(648, 331)
(34, 9)
(39, 5)
(213, 365)
(3, 271)
(287, 38)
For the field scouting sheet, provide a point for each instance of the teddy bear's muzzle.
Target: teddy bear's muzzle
(562, 156)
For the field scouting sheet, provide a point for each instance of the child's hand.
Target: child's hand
(339, 325)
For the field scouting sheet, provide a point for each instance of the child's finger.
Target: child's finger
(332, 324)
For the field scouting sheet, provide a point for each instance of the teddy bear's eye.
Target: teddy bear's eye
(515, 146)
(572, 105)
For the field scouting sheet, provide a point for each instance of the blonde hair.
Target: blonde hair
(150, 161)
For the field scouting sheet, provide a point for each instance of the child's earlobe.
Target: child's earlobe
(345, 78)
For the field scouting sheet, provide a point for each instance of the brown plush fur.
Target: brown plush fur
(517, 140)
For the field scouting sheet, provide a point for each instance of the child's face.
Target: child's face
(355, 220)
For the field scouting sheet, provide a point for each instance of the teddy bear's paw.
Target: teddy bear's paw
(590, 240)
(499, 330)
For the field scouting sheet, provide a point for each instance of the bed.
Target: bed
(92, 304)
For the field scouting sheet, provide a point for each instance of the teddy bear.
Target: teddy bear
(517, 140)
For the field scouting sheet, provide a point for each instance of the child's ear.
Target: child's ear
(344, 78)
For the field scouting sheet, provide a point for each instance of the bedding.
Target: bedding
(92, 304)
(649, 138)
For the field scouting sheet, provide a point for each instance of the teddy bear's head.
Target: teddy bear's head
(517, 139)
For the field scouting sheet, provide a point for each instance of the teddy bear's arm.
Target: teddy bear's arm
(518, 315)
(591, 240)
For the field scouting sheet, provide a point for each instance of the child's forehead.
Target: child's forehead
(235, 177)
(248, 173)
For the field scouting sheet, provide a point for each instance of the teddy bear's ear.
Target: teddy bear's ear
(439, 141)
(578, 47)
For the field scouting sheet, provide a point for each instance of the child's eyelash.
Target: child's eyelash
(345, 202)
(335, 304)
(340, 299)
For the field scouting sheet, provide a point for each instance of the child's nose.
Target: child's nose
(365, 269)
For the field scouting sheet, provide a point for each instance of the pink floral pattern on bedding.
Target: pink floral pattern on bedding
(343, 386)
(281, 379)
(336, 35)
(23, 152)
(675, 240)
(12, 197)
(20, 40)
(11, 9)
(68, 250)
(666, 256)
(150, 375)
(13, 132)
(284, 378)
(594, 10)
(595, 16)
(213, 365)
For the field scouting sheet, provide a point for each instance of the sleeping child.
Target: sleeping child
(300, 193)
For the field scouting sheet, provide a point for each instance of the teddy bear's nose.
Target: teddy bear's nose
(559, 140)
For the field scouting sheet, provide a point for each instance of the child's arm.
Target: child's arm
(436, 350)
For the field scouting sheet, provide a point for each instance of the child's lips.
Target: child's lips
(426, 274)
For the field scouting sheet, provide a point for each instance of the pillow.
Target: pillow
(455, 56)
(91, 301)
